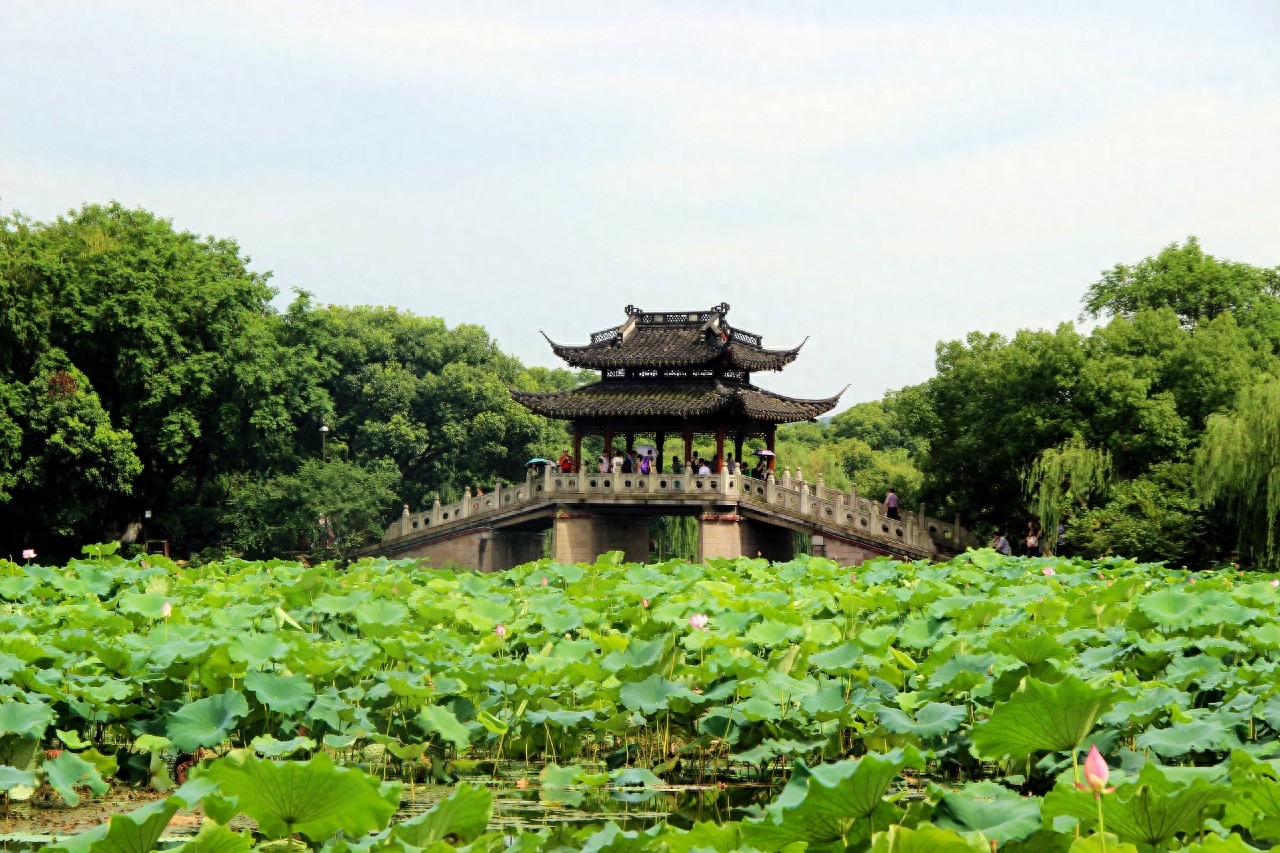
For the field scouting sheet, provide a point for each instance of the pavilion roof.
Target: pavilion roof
(680, 398)
(673, 339)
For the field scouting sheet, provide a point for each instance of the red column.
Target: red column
(768, 443)
(719, 448)
(577, 447)
(688, 443)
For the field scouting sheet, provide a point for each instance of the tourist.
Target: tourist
(762, 469)
(1001, 545)
(566, 463)
(628, 466)
(616, 464)
(703, 468)
(646, 464)
(1033, 539)
(604, 462)
(891, 505)
(731, 466)
(653, 462)
(677, 467)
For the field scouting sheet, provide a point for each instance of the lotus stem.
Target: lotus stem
(1102, 829)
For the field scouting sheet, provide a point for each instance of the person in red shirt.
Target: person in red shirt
(566, 463)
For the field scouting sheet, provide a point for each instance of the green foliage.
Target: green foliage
(1066, 476)
(1196, 286)
(1239, 465)
(314, 798)
(1156, 516)
(908, 666)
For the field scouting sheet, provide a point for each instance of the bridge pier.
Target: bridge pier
(482, 549)
(841, 551)
(730, 535)
(581, 537)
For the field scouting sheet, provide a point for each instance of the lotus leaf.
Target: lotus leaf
(991, 809)
(820, 804)
(272, 748)
(1043, 718)
(442, 721)
(651, 695)
(67, 772)
(25, 720)
(283, 694)
(12, 777)
(314, 797)
(134, 832)
(932, 720)
(217, 838)
(458, 819)
(924, 839)
(206, 722)
(1151, 810)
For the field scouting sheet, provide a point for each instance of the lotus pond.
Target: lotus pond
(759, 706)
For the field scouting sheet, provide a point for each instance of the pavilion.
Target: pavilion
(674, 373)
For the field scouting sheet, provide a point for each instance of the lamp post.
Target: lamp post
(324, 435)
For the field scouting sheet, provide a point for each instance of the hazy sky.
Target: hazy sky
(876, 176)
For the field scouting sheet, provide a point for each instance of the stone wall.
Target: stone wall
(483, 549)
(581, 537)
(729, 535)
(844, 552)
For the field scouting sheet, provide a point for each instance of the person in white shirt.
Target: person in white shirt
(703, 469)
(604, 463)
(617, 462)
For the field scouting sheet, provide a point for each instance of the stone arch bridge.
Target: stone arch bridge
(589, 514)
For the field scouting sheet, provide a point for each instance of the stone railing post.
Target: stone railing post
(435, 511)
(466, 502)
(404, 521)
(786, 477)
(770, 488)
(804, 498)
(840, 513)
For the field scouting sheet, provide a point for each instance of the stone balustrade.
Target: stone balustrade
(828, 509)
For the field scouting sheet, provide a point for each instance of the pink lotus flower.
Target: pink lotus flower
(545, 581)
(29, 553)
(853, 577)
(644, 602)
(1275, 582)
(167, 610)
(1048, 571)
(500, 631)
(1095, 774)
(699, 621)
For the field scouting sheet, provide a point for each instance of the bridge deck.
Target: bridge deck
(788, 503)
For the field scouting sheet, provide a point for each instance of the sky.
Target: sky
(877, 177)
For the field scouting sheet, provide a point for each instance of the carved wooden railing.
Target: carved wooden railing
(830, 509)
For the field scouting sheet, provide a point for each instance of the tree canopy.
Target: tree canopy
(145, 368)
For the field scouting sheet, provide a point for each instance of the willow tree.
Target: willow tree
(1238, 464)
(1065, 476)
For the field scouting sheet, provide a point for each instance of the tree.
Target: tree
(1196, 286)
(1063, 477)
(327, 508)
(174, 338)
(1238, 465)
(1155, 516)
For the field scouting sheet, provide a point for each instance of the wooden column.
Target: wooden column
(768, 443)
(660, 439)
(737, 449)
(719, 463)
(631, 441)
(608, 441)
(688, 442)
(577, 447)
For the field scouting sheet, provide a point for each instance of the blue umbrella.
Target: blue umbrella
(537, 462)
